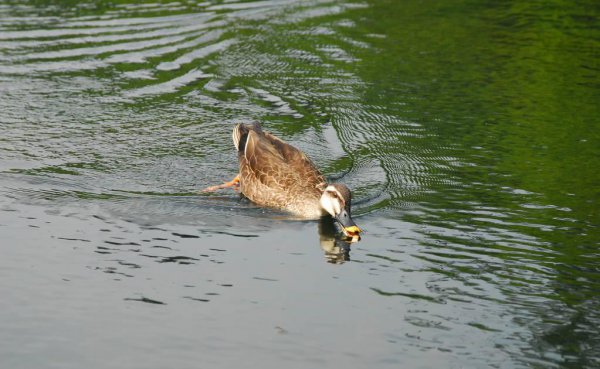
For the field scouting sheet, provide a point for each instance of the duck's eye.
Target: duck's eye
(333, 194)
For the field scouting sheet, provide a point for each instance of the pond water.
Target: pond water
(468, 132)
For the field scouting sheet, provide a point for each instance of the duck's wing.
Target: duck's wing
(297, 160)
(275, 163)
(261, 161)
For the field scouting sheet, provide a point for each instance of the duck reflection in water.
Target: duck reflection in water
(335, 246)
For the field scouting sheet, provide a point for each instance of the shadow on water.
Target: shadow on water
(232, 216)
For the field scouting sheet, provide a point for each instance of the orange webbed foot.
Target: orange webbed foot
(234, 183)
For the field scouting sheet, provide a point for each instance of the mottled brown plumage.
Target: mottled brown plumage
(276, 174)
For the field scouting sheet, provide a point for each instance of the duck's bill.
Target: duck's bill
(349, 228)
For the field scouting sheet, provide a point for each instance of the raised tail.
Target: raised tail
(240, 133)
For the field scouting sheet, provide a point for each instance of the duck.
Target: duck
(275, 174)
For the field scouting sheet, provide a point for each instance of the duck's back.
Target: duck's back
(276, 174)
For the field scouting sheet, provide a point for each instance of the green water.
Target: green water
(468, 132)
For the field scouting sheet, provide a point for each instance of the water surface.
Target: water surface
(468, 133)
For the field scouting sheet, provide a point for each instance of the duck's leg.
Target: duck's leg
(235, 183)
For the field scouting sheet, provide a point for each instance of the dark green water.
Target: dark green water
(468, 132)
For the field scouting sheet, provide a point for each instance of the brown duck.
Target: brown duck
(273, 173)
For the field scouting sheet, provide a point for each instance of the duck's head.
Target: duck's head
(336, 201)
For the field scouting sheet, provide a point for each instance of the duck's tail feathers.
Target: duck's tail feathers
(240, 133)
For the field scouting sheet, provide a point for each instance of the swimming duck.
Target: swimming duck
(273, 173)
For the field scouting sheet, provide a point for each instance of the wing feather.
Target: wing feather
(273, 172)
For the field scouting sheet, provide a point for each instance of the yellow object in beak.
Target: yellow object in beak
(353, 233)
(349, 228)
(352, 230)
